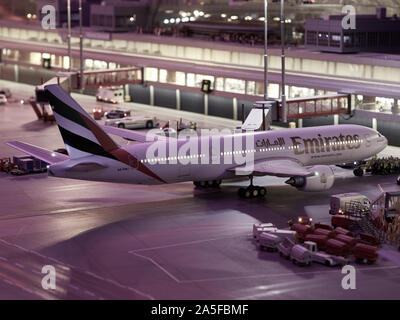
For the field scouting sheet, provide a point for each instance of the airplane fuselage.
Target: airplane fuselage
(210, 157)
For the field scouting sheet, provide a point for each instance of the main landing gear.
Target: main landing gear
(207, 184)
(252, 191)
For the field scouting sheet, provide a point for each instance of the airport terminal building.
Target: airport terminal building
(175, 67)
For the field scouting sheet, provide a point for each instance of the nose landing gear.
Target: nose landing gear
(252, 191)
(358, 172)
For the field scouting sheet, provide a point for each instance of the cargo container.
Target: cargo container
(26, 165)
(365, 253)
(319, 225)
(29, 164)
(301, 230)
(349, 241)
(336, 248)
(340, 230)
(324, 232)
(342, 221)
(320, 240)
(368, 239)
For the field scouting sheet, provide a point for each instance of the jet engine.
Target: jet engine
(322, 179)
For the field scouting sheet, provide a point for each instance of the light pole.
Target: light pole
(69, 34)
(80, 45)
(283, 85)
(265, 50)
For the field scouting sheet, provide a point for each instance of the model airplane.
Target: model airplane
(302, 155)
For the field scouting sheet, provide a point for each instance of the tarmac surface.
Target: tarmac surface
(112, 241)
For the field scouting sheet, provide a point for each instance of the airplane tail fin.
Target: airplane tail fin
(81, 133)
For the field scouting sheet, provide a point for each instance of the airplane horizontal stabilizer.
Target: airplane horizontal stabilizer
(48, 156)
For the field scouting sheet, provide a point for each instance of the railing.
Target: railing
(121, 76)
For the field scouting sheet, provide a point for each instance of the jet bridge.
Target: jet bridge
(112, 77)
(297, 108)
(309, 107)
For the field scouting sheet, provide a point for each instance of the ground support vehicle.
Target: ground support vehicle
(300, 255)
(338, 202)
(135, 122)
(110, 94)
(98, 112)
(6, 165)
(285, 247)
(258, 228)
(28, 164)
(323, 258)
(269, 241)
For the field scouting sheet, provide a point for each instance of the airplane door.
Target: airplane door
(215, 155)
(368, 141)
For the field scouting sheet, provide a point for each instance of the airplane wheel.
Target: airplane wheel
(210, 183)
(254, 192)
(203, 184)
(217, 183)
(327, 263)
(241, 192)
(358, 172)
(196, 183)
(149, 124)
(262, 192)
(121, 125)
(247, 193)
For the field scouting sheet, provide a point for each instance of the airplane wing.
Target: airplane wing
(48, 156)
(131, 135)
(276, 167)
